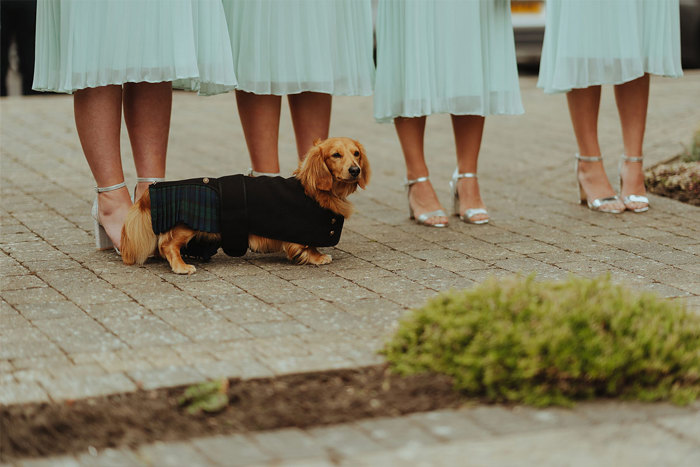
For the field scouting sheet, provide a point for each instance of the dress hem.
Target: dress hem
(390, 118)
(612, 82)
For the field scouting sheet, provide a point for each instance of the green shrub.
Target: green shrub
(546, 343)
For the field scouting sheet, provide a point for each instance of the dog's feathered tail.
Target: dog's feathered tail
(138, 240)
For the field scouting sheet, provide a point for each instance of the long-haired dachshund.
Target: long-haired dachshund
(330, 171)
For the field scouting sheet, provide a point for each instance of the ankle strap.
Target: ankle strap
(408, 182)
(588, 158)
(457, 176)
(255, 173)
(632, 159)
(110, 188)
(149, 179)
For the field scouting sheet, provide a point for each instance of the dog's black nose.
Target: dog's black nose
(354, 171)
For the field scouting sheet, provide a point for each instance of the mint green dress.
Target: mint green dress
(87, 43)
(445, 56)
(596, 42)
(291, 46)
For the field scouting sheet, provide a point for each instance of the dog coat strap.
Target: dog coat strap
(234, 215)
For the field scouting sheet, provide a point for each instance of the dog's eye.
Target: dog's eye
(357, 153)
(337, 155)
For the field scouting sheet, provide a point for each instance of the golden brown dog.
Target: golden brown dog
(330, 172)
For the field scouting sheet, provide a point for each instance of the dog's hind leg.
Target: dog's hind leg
(301, 254)
(264, 245)
(169, 245)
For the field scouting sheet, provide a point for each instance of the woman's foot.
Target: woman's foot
(632, 189)
(112, 207)
(422, 200)
(596, 186)
(470, 198)
(142, 184)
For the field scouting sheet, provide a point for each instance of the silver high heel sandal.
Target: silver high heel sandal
(626, 200)
(468, 213)
(421, 219)
(255, 173)
(150, 180)
(598, 204)
(102, 240)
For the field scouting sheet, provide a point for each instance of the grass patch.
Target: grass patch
(691, 153)
(550, 343)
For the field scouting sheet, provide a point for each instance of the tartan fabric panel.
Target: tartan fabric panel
(196, 206)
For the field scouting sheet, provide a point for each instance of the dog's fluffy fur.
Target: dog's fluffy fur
(326, 175)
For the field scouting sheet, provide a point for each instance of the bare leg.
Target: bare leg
(632, 101)
(583, 107)
(147, 108)
(311, 117)
(98, 121)
(468, 130)
(422, 196)
(260, 118)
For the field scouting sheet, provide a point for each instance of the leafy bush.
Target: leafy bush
(546, 343)
(209, 396)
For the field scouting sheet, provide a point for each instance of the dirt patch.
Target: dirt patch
(676, 180)
(300, 400)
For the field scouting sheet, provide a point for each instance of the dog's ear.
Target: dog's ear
(314, 173)
(366, 172)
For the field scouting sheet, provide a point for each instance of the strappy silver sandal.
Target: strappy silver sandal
(468, 214)
(599, 204)
(255, 173)
(102, 240)
(626, 200)
(150, 180)
(423, 218)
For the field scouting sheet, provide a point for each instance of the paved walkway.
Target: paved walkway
(77, 322)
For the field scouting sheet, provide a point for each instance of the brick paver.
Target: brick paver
(76, 322)
(630, 434)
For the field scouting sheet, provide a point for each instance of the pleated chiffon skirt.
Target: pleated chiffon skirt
(445, 56)
(292, 46)
(86, 43)
(596, 42)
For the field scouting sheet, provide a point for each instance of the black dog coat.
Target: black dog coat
(236, 206)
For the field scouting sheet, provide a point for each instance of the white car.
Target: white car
(528, 28)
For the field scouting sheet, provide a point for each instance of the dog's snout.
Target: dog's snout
(354, 171)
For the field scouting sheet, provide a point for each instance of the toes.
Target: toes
(321, 259)
(635, 206)
(437, 220)
(326, 259)
(187, 269)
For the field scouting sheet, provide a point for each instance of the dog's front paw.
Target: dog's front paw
(321, 259)
(186, 269)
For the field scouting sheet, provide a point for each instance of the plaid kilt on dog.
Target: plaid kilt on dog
(194, 205)
(236, 206)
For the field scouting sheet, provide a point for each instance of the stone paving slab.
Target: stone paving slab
(77, 322)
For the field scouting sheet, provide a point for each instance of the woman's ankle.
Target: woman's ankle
(109, 202)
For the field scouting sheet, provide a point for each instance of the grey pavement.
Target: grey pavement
(75, 322)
